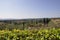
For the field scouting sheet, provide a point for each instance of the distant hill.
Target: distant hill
(29, 23)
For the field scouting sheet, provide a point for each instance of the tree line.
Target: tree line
(22, 24)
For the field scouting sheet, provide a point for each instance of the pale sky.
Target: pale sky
(20, 9)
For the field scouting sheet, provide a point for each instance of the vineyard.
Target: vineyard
(41, 34)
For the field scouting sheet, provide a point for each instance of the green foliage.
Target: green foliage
(42, 34)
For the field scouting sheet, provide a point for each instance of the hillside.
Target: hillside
(29, 23)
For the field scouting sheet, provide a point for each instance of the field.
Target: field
(42, 34)
(30, 29)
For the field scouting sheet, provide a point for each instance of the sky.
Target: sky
(20, 9)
